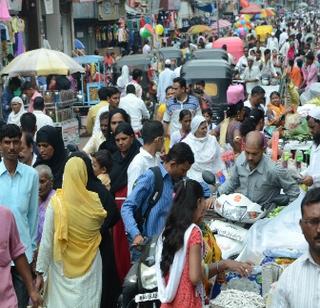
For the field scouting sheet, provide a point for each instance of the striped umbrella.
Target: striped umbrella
(42, 62)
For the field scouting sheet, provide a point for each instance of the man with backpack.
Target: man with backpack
(145, 211)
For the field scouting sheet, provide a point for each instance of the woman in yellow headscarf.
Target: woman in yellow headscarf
(69, 256)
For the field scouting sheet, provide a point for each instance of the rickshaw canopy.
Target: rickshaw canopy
(212, 53)
(205, 69)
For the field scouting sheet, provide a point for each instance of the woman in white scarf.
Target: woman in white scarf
(123, 79)
(205, 148)
(179, 250)
(18, 110)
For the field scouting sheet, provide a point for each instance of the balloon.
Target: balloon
(144, 33)
(242, 32)
(242, 22)
(149, 28)
(257, 16)
(159, 29)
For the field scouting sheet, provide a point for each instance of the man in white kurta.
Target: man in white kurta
(165, 80)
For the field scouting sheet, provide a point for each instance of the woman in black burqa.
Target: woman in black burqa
(52, 152)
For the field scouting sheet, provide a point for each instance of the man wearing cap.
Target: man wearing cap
(165, 80)
(272, 42)
(251, 75)
(311, 176)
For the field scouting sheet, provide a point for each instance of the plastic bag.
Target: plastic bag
(282, 231)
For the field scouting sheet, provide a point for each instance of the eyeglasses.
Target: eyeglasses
(313, 222)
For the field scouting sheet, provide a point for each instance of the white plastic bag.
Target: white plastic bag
(282, 231)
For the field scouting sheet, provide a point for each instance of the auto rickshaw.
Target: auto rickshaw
(137, 61)
(217, 75)
(172, 53)
(212, 53)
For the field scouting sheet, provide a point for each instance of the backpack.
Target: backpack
(141, 218)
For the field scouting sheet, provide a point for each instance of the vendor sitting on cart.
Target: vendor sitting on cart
(257, 177)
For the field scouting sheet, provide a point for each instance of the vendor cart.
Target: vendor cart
(93, 79)
(58, 104)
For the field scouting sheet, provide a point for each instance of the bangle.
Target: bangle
(205, 270)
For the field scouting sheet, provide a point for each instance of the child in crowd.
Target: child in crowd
(102, 164)
(185, 118)
(207, 113)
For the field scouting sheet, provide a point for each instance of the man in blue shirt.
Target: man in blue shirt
(19, 187)
(177, 163)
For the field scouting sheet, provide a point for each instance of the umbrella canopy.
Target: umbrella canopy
(234, 46)
(78, 44)
(42, 62)
(251, 9)
(199, 29)
(223, 23)
(267, 13)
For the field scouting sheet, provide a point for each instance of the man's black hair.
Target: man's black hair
(257, 90)
(180, 153)
(38, 103)
(130, 89)
(112, 91)
(28, 138)
(10, 131)
(27, 85)
(104, 116)
(151, 130)
(103, 94)
(181, 81)
(28, 122)
(136, 74)
(312, 196)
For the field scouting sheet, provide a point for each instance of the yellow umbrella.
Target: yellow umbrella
(263, 31)
(42, 62)
(199, 29)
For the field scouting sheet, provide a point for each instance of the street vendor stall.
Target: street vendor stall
(58, 104)
(94, 80)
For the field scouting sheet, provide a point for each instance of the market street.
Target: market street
(159, 154)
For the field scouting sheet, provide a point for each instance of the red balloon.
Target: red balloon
(244, 3)
(149, 28)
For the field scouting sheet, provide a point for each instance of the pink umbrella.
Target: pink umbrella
(223, 23)
(252, 9)
(234, 46)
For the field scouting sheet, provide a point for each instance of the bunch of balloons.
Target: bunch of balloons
(243, 25)
(148, 30)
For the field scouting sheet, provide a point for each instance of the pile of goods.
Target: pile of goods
(236, 299)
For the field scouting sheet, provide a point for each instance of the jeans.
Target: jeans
(20, 288)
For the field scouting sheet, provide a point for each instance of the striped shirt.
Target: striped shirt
(174, 107)
(299, 285)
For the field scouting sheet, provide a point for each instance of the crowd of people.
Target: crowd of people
(74, 223)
